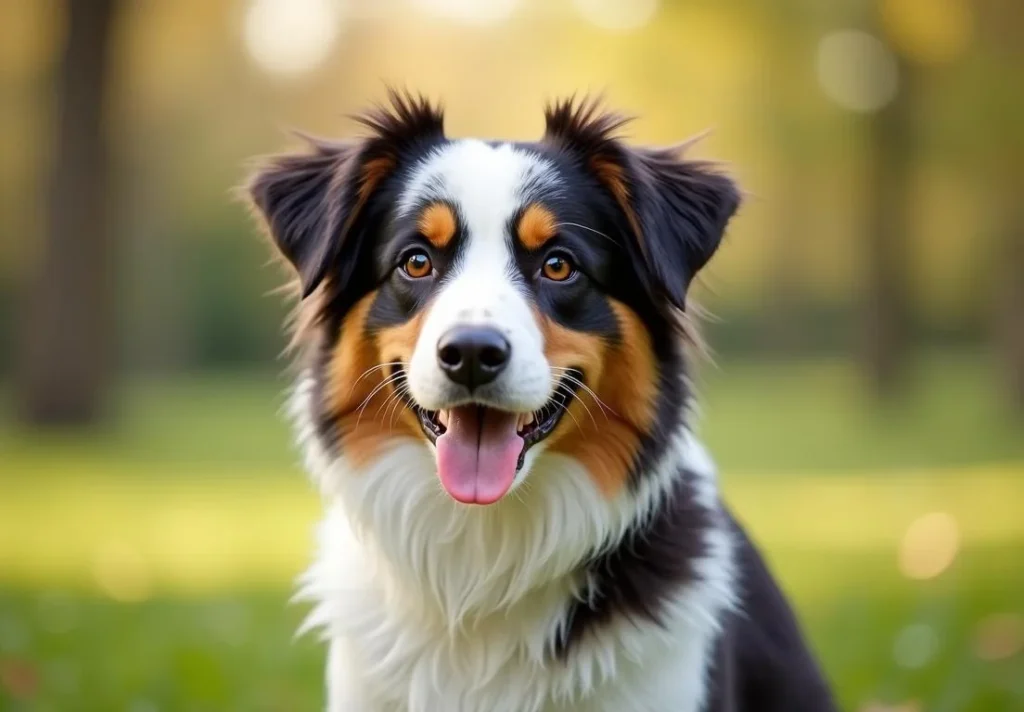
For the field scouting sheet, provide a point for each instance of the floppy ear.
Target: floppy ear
(676, 209)
(682, 208)
(299, 197)
(312, 201)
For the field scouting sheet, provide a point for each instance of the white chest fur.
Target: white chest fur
(431, 606)
(390, 654)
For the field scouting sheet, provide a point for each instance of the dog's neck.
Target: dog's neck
(467, 563)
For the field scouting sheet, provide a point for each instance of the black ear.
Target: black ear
(299, 197)
(676, 209)
(682, 209)
(312, 201)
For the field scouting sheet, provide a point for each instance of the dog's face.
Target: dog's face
(501, 302)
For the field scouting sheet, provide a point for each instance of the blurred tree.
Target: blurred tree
(66, 335)
(790, 131)
(1003, 28)
(1011, 311)
(891, 155)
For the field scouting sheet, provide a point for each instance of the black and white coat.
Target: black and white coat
(610, 578)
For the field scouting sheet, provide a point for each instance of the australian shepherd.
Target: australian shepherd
(492, 396)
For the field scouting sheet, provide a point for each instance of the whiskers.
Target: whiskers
(567, 376)
(373, 369)
(396, 377)
(397, 400)
(588, 229)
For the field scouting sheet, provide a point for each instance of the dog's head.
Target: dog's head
(501, 302)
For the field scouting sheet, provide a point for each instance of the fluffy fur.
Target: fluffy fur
(609, 576)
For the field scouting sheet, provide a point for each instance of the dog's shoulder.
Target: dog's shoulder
(762, 660)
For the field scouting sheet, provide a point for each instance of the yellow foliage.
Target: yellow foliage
(928, 32)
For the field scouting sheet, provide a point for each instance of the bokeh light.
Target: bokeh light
(617, 15)
(18, 679)
(292, 37)
(470, 12)
(915, 646)
(999, 637)
(929, 546)
(856, 70)
(928, 31)
(909, 706)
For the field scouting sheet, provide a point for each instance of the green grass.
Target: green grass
(226, 652)
(819, 417)
(235, 650)
(147, 567)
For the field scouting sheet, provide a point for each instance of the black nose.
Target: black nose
(473, 355)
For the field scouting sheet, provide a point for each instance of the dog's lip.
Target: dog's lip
(532, 426)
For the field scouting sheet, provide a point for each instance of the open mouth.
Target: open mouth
(480, 448)
(531, 427)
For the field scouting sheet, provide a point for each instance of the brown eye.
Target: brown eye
(558, 268)
(417, 265)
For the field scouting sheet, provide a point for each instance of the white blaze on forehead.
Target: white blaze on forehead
(487, 184)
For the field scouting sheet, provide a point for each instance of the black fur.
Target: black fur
(648, 566)
(294, 193)
(762, 662)
(676, 209)
(683, 208)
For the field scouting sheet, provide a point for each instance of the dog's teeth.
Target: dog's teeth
(442, 417)
(523, 420)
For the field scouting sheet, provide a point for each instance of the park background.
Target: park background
(865, 402)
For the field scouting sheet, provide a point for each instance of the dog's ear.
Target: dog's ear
(312, 201)
(299, 196)
(676, 209)
(682, 207)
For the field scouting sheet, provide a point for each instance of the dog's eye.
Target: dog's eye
(558, 268)
(417, 265)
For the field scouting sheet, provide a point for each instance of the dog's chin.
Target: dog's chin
(480, 447)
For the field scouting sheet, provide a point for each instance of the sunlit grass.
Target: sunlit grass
(198, 532)
(148, 566)
(113, 584)
(116, 583)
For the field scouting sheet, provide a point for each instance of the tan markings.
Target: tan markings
(396, 343)
(631, 372)
(356, 396)
(565, 348)
(374, 171)
(613, 177)
(437, 224)
(605, 436)
(536, 226)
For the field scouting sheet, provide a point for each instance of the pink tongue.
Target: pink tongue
(476, 460)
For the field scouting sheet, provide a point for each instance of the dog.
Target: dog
(492, 396)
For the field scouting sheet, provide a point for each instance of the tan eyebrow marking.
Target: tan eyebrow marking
(536, 226)
(437, 224)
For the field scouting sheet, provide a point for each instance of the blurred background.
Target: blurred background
(866, 402)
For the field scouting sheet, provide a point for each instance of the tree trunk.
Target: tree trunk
(786, 127)
(1002, 24)
(1011, 304)
(67, 332)
(886, 304)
